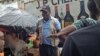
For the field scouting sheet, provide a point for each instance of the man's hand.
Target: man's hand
(53, 36)
(61, 36)
(32, 37)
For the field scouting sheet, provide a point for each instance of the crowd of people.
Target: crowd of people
(79, 39)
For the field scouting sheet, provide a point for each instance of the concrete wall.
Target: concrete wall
(31, 7)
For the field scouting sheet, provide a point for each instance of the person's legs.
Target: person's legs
(47, 50)
(42, 50)
(53, 51)
(50, 51)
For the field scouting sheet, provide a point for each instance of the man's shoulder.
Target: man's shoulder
(86, 40)
(53, 18)
(86, 34)
(87, 30)
(40, 19)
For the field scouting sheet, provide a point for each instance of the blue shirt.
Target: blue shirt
(47, 30)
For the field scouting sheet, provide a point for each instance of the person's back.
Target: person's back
(84, 42)
(21, 48)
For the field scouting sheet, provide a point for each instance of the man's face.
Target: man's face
(98, 4)
(46, 14)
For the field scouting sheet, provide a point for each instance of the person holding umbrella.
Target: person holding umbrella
(17, 46)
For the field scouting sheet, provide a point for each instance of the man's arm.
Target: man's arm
(21, 48)
(67, 30)
(37, 29)
(37, 41)
(57, 26)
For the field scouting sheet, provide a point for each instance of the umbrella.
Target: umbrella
(17, 21)
(16, 17)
